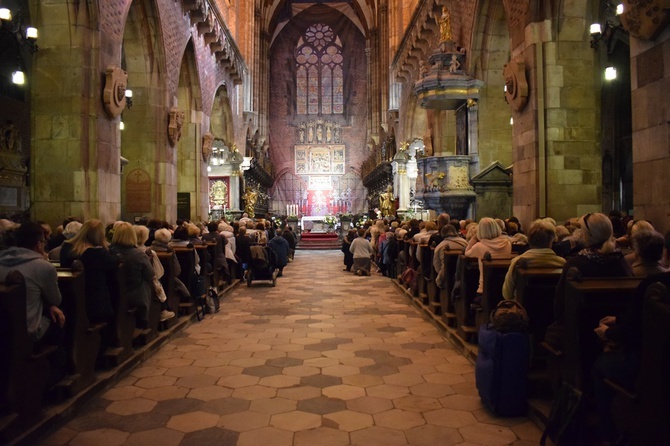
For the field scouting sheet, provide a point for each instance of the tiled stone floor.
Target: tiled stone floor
(324, 358)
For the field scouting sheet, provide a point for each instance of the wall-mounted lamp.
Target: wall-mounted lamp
(129, 98)
(12, 25)
(610, 73)
(18, 77)
(605, 32)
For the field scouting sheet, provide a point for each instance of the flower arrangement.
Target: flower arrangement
(361, 221)
(346, 216)
(330, 220)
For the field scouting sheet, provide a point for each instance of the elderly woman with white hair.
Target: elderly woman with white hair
(70, 231)
(489, 239)
(599, 256)
(142, 233)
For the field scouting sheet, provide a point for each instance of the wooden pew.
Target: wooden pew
(535, 289)
(494, 271)
(586, 302)
(446, 301)
(187, 263)
(467, 274)
(24, 371)
(432, 290)
(82, 339)
(643, 412)
(401, 260)
(423, 269)
(167, 260)
(123, 325)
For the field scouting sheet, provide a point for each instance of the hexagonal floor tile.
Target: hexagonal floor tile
(272, 406)
(295, 421)
(348, 420)
(193, 421)
(244, 421)
(399, 419)
(321, 405)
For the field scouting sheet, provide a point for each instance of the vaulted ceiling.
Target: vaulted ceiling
(361, 11)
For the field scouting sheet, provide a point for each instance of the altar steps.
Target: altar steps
(319, 241)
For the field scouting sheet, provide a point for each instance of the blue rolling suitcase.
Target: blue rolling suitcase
(501, 369)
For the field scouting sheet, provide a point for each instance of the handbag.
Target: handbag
(509, 317)
(408, 276)
(199, 294)
(565, 425)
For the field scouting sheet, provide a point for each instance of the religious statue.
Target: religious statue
(337, 134)
(250, 198)
(387, 202)
(10, 138)
(310, 132)
(445, 25)
(329, 131)
(454, 65)
(301, 132)
(319, 132)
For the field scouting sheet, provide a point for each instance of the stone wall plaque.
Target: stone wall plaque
(184, 205)
(138, 191)
(9, 197)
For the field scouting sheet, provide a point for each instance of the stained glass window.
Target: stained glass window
(319, 74)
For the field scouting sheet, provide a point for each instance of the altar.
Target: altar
(314, 224)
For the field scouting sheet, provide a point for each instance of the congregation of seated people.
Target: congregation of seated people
(594, 246)
(133, 286)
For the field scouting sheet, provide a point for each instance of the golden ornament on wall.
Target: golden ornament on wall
(175, 123)
(516, 85)
(114, 93)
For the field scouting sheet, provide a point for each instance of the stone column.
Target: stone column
(473, 137)
(384, 63)
(557, 159)
(75, 162)
(235, 181)
(651, 128)
(264, 87)
(401, 181)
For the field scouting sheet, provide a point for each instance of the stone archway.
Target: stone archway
(143, 138)
(191, 170)
(221, 121)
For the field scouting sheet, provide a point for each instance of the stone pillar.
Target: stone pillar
(651, 128)
(75, 162)
(235, 161)
(401, 181)
(370, 89)
(384, 40)
(557, 159)
(473, 136)
(264, 87)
